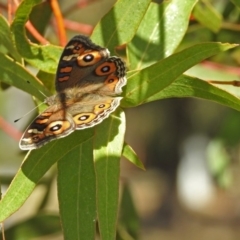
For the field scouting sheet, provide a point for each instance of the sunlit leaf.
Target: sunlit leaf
(36, 164)
(159, 33)
(120, 23)
(12, 73)
(186, 86)
(130, 155)
(108, 144)
(149, 82)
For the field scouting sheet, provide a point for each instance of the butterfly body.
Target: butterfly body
(88, 84)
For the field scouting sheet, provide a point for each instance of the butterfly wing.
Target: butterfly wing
(86, 65)
(51, 124)
(88, 113)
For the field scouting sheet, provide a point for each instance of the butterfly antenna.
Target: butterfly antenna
(28, 112)
(43, 94)
(39, 91)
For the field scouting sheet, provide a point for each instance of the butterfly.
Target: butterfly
(88, 84)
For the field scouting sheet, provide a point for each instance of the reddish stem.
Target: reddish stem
(9, 129)
(59, 20)
(78, 27)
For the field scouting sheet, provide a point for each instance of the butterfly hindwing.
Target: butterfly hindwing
(51, 124)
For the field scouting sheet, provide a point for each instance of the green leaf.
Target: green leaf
(40, 17)
(77, 192)
(129, 220)
(35, 165)
(147, 83)
(186, 86)
(218, 160)
(48, 79)
(44, 58)
(108, 144)
(129, 154)
(207, 15)
(159, 33)
(39, 226)
(6, 39)
(120, 23)
(12, 73)
(236, 2)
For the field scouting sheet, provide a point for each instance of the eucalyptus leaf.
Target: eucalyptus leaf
(77, 194)
(147, 83)
(207, 15)
(13, 73)
(108, 144)
(36, 164)
(6, 39)
(159, 33)
(45, 57)
(130, 155)
(119, 25)
(186, 86)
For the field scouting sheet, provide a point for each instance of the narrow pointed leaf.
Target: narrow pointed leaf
(108, 144)
(130, 155)
(77, 192)
(150, 81)
(119, 25)
(12, 73)
(207, 15)
(129, 219)
(43, 57)
(159, 33)
(186, 86)
(36, 164)
(6, 39)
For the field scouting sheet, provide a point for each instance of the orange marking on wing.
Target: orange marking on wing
(111, 82)
(66, 69)
(41, 121)
(62, 79)
(46, 114)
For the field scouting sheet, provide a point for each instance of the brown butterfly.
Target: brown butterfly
(88, 83)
